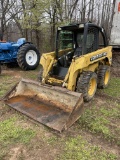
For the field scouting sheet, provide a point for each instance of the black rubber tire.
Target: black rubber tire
(40, 74)
(83, 85)
(21, 57)
(103, 76)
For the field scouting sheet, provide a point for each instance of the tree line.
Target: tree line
(37, 20)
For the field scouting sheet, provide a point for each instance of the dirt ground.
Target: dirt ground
(116, 64)
(50, 145)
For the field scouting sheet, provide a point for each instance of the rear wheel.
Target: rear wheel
(103, 76)
(87, 84)
(28, 57)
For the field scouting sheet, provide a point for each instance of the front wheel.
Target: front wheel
(28, 57)
(87, 84)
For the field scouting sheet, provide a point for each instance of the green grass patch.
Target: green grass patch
(31, 75)
(2, 92)
(51, 140)
(113, 88)
(79, 149)
(111, 112)
(99, 120)
(2, 154)
(4, 89)
(11, 133)
(6, 82)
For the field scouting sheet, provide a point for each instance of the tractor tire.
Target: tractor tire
(40, 74)
(87, 84)
(103, 76)
(28, 57)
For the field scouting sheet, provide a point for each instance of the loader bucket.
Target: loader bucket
(52, 106)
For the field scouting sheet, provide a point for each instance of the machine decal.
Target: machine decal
(98, 56)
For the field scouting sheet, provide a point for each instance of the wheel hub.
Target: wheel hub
(107, 76)
(92, 87)
(31, 57)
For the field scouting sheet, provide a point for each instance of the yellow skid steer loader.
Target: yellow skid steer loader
(68, 76)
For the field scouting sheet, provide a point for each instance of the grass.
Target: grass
(31, 75)
(2, 154)
(10, 133)
(52, 140)
(113, 88)
(99, 119)
(79, 149)
(102, 120)
(6, 82)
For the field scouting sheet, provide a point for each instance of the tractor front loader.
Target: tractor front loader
(68, 76)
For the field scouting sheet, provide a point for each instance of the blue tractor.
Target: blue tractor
(24, 53)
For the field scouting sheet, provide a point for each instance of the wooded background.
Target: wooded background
(37, 20)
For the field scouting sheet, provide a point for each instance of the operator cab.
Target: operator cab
(69, 45)
(74, 41)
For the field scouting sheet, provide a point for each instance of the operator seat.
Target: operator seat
(66, 59)
(78, 50)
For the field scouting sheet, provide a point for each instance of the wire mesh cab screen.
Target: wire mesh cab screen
(65, 40)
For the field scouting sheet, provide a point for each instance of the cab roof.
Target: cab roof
(76, 26)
